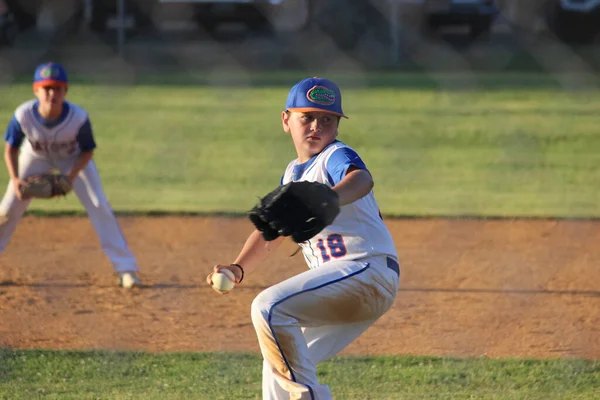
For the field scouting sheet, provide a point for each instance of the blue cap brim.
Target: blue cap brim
(312, 109)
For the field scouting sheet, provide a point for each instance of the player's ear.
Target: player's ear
(285, 121)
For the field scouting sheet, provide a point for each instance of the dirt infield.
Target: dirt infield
(523, 288)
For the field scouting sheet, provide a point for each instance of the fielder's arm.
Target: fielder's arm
(11, 159)
(356, 184)
(82, 160)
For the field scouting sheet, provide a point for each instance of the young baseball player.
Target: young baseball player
(50, 133)
(353, 271)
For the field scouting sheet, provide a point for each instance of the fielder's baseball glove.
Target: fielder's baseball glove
(298, 209)
(46, 185)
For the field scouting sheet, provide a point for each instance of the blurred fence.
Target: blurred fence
(155, 36)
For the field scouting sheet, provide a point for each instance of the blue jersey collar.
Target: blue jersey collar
(300, 168)
(53, 123)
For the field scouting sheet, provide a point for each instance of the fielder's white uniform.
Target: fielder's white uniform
(48, 145)
(352, 281)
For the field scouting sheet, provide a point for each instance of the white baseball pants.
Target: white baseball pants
(313, 316)
(88, 189)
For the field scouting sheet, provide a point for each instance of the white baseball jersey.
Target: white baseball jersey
(358, 231)
(61, 139)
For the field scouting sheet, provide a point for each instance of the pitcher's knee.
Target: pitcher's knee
(260, 310)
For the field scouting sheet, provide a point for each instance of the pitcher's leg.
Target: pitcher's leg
(283, 353)
(88, 188)
(271, 388)
(330, 295)
(325, 342)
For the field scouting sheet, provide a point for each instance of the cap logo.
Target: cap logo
(50, 72)
(321, 95)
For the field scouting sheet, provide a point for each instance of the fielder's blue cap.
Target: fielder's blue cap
(50, 74)
(315, 94)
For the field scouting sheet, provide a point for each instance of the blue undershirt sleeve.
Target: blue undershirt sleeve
(85, 137)
(339, 162)
(14, 134)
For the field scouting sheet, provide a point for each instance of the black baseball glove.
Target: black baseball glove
(297, 209)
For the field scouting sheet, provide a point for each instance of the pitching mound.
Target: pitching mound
(469, 288)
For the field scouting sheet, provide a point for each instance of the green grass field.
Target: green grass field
(117, 375)
(514, 145)
(511, 145)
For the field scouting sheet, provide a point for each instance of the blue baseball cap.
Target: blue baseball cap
(50, 74)
(315, 94)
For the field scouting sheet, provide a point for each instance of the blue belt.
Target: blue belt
(393, 265)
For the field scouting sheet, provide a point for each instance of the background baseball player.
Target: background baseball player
(51, 133)
(354, 272)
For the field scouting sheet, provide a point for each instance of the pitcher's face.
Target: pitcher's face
(311, 131)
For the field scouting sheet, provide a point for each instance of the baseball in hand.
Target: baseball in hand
(223, 280)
